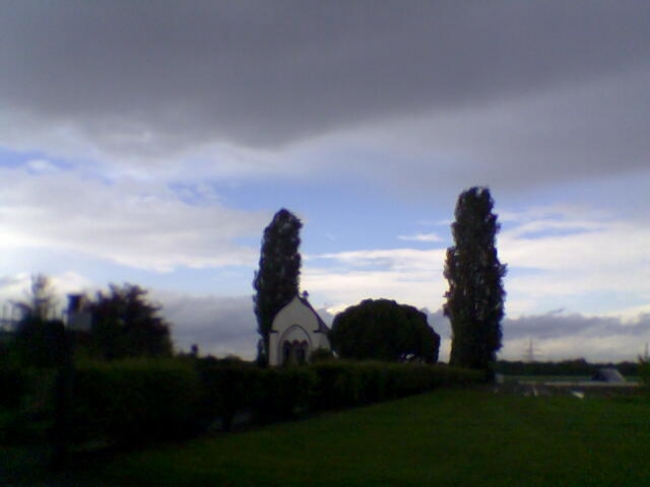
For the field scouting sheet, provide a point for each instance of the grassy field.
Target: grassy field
(448, 438)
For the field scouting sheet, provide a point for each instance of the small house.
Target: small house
(297, 331)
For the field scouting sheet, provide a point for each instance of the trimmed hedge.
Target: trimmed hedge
(13, 386)
(227, 388)
(135, 400)
(268, 395)
(283, 394)
(348, 384)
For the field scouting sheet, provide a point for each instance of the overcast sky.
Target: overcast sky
(152, 142)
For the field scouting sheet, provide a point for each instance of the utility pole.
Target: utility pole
(529, 353)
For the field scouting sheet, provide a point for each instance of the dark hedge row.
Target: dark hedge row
(577, 367)
(262, 395)
(274, 394)
(133, 401)
(342, 385)
(13, 386)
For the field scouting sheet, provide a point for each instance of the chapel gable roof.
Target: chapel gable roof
(322, 327)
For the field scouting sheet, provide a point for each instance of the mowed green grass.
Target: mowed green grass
(447, 438)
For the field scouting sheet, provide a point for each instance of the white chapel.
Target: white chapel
(297, 331)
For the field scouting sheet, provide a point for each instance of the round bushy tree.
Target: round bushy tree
(127, 324)
(475, 298)
(384, 330)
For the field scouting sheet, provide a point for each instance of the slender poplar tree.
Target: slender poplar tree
(475, 298)
(277, 280)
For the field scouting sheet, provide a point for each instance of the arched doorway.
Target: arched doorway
(295, 352)
(294, 346)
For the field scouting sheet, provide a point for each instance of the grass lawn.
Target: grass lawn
(448, 438)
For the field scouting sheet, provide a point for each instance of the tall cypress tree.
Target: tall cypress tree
(277, 280)
(475, 297)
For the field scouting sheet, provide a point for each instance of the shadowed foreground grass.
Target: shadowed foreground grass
(446, 438)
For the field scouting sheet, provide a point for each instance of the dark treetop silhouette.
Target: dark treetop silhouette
(476, 296)
(384, 330)
(277, 280)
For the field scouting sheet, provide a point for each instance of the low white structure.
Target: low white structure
(610, 375)
(296, 332)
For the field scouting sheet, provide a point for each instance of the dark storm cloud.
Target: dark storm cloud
(558, 335)
(266, 73)
(556, 324)
(218, 325)
(592, 129)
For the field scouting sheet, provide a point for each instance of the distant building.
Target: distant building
(610, 375)
(297, 331)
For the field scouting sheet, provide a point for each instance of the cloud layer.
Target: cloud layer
(225, 326)
(122, 124)
(140, 224)
(160, 81)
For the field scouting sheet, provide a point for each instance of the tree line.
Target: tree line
(387, 330)
(123, 323)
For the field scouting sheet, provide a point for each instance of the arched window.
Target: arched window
(286, 353)
(301, 352)
(295, 352)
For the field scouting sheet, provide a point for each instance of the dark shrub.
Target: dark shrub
(41, 343)
(13, 386)
(384, 330)
(321, 355)
(282, 393)
(135, 400)
(348, 384)
(227, 388)
(231, 388)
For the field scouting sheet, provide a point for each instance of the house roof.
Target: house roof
(322, 327)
